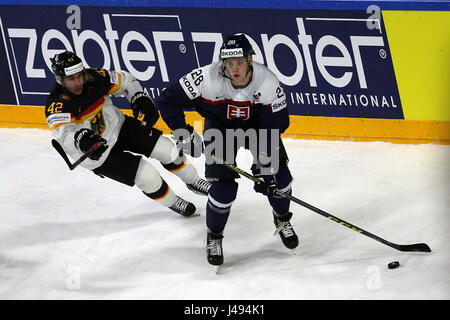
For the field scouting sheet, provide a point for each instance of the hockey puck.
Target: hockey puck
(393, 265)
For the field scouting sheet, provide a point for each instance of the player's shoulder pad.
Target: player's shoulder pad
(272, 92)
(195, 82)
(103, 80)
(265, 76)
(93, 72)
(58, 102)
(112, 76)
(58, 109)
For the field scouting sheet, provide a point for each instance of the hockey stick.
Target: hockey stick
(63, 154)
(418, 247)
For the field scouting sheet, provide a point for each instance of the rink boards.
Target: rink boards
(356, 73)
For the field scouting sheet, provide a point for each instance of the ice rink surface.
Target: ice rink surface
(72, 235)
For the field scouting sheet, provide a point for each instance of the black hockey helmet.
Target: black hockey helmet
(65, 64)
(236, 46)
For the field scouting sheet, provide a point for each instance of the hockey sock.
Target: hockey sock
(279, 203)
(164, 195)
(150, 182)
(167, 153)
(220, 198)
(183, 169)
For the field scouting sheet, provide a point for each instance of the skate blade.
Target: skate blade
(292, 252)
(195, 214)
(200, 193)
(216, 269)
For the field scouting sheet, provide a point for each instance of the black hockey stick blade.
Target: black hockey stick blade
(418, 247)
(63, 154)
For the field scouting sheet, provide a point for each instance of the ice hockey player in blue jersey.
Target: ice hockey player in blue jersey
(234, 93)
(80, 114)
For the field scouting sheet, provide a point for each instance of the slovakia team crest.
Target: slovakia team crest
(235, 112)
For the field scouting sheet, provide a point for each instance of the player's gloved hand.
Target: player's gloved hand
(269, 183)
(188, 141)
(267, 187)
(142, 105)
(85, 139)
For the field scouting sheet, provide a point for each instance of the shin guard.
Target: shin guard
(220, 198)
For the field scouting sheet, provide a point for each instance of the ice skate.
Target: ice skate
(200, 186)
(214, 250)
(183, 207)
(286, 231)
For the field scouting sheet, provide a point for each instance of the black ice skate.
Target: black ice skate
(285, 230)
(213, 248)
(183, 207)
(200, 186)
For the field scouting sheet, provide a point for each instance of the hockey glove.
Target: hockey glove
(266, 187)
(188, 141)
(85, 139)
(142, 105)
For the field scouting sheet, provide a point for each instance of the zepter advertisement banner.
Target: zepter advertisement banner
(330, 63)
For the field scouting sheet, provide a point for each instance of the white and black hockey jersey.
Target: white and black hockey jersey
(261, 104)
(93, 109)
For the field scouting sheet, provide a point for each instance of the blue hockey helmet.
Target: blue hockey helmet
(236, 46)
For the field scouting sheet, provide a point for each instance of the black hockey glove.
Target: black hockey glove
(268, 186)
(188, 141)
(85, 139)
(142, 105)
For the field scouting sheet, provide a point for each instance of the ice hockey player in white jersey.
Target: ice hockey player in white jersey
(234, 93)
(80, 114)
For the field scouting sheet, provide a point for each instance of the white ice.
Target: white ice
(71, 235)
